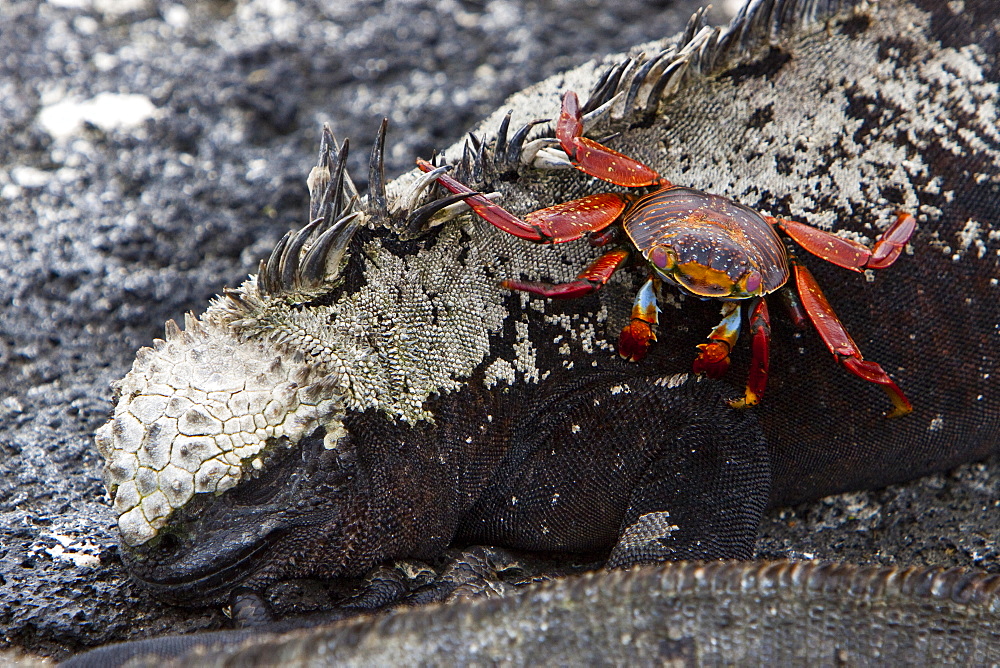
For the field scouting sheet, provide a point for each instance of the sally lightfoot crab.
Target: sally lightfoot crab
(707, 245)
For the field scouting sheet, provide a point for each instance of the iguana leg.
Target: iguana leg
(248, 609)
(388, 585)
(476, 573)
(590, 457)
(668, 518)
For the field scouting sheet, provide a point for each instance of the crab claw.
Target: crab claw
(713, 360)
(635, 339)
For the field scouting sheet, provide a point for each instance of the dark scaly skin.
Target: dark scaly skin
(822, 439)
(502, 487)
(691, 614)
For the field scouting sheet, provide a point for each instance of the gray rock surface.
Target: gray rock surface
(151, 153)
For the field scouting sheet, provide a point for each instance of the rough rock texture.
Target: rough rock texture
(112, 227)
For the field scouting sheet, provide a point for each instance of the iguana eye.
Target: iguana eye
(262, 485)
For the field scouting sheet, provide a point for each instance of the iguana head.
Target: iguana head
(204, 412)
(200, 412)
(204, 453)
(227, 438)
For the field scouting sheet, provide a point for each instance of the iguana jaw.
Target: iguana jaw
(252, 535)
(206, 581)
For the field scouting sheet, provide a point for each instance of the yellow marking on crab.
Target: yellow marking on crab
(703, 281)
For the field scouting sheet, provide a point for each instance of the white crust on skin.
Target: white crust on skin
(195, 411)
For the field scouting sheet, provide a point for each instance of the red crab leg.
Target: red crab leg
(636, 337)
(596, 159)
(605, 236)
(793, 305)
(840, 343)
(713, 359)
(760, 356)
(850, 254)
(589, 280)
(553, 225)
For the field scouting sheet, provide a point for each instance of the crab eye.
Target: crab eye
(752, 282)
(662, 257)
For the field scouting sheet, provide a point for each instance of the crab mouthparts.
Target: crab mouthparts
(703, 281)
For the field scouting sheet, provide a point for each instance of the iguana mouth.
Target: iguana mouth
(188, 581)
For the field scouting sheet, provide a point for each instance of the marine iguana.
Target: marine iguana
(532, 374)
(719, 613)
